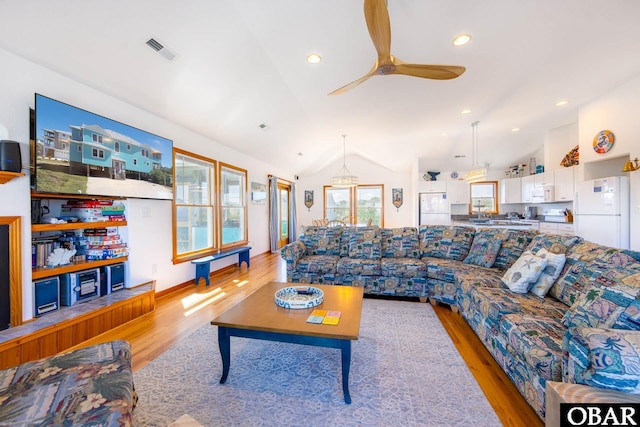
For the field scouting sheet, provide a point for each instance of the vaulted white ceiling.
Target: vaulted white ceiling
(241, 63)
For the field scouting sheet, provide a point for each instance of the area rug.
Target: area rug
(405, 371)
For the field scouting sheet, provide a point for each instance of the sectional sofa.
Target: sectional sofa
(547, 307)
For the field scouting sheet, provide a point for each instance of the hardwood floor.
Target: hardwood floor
(180, 313)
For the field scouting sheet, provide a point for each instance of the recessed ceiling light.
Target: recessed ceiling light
(465, 111)
(461, 39)
(300, 154)
(313, 58)
(444, 134)
(562, 102)
(515, 130)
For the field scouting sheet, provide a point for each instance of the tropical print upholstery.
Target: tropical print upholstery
(391, 286)
(358, 266)
(400, 242)
(607, 358)
(441, 241)
(514, 242)
(484, 249)
(90, 386)
(403, 267)
(589, 264)
(365, 243)
(322, 240)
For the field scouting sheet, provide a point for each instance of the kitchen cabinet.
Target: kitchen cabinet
(458, 192)
(432, 187)
(511, 190)
(564, 184)
(542, 179)
(526, 186)
(563, 229)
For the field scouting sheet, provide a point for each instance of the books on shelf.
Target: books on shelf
(324, 317)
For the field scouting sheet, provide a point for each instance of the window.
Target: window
(95, 152)
(194, 209)
(116, 147)
(484, 197)
(233, 206)
(355, 206)
(210, 210)
(96, 137)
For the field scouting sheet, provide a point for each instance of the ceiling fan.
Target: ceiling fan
(377, 17)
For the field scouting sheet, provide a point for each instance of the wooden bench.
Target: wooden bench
(203, 265)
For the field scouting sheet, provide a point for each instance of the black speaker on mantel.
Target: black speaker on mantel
(10, 159)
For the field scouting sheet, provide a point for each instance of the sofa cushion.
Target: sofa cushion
(513, 245)
(588, 263)
(484, 249)
(552, 242)
(365, 243)
(442, 241)
(318, 264)
(551, 272)
(403, 267)
(537, 341)
(601, 306)
(493, 303)
(322, 240)
(359, 267)
(611, 359)
(89, 386)
(400, 242)
(524, 272)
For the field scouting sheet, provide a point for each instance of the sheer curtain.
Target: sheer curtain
(273, 214)
(293, 218)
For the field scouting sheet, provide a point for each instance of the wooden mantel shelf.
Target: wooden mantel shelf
(8, 176)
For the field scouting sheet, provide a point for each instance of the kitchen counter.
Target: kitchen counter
(517, 224)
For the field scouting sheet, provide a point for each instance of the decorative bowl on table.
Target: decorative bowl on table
(297, 297)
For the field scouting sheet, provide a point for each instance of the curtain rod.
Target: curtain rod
(281, 179)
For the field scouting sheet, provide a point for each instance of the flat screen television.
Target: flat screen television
(81, 153)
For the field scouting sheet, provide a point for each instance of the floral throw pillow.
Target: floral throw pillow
(524, 272)
(484, 251)
(551, 272)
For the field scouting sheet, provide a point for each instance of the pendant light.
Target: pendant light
(344, 178)
(477, 173)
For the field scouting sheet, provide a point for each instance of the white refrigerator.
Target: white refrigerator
(434, 209)
(601, 211)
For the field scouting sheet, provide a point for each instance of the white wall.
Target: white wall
(149, 221)
(559, 142)
(367, 173)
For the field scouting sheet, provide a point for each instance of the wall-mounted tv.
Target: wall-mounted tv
(81, 153)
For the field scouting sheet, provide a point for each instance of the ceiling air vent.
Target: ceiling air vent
(162, 50)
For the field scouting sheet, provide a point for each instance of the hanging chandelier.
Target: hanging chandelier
(477, 173)
(344, 178)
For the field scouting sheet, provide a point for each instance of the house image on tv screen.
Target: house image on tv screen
(94, 151)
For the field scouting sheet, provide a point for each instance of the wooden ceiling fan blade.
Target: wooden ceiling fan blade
(435, 72)
(350, 85)
(377, 17)
(372, 72)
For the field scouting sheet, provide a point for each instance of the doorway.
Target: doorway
(284, 198)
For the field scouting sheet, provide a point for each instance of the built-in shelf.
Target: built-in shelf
(76, 225)
(42, 272)
(8, 176)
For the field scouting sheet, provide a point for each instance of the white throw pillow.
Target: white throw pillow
(551, 272)
(524, 272)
